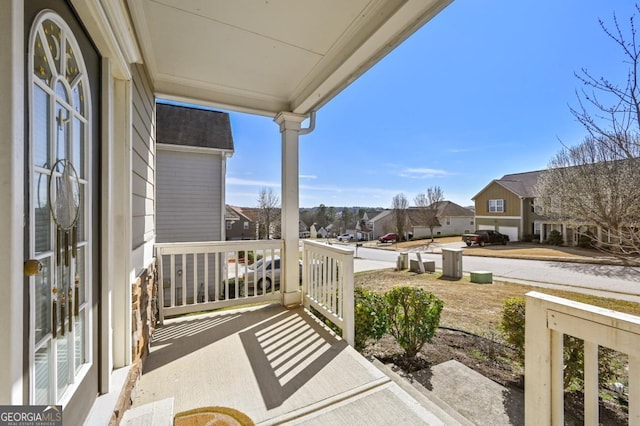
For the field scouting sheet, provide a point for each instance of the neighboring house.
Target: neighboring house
(255, 217)
(323, 233)
(192, 150)
(382, 223)
(365, 226)
(506, 205)
(303, 230)
(239, 225)
(451, 219)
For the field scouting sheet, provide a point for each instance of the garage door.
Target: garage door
(511, 231)
(486, 227)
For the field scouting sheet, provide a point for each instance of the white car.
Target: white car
(265, 272)
(345, 237)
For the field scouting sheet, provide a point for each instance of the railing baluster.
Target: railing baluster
(160, 302)
(206, 279)
(339, 290)
(337, 283)
(183, 297)
(591, 386)
(325, 280)
(217, 269)
(195, 278)
(172, 285)
(557, 378)
(236, 278)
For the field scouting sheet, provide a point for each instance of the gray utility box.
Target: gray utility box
(452, 263)
(403, 260)
(429, 265)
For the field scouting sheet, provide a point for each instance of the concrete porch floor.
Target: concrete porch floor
(275, 365)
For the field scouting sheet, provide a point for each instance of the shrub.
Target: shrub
(370, 316)
(531, 238)
(555, 238)
(585, 240)
(414, 316)
(245, 257)
(512, 325)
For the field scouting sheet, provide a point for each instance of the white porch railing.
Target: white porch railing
(548, 318)
(327, 284)
(210, 275)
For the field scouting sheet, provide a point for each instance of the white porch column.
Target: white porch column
(290, 198)
(122, 272)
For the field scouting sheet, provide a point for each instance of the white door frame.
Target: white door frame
(12, 132)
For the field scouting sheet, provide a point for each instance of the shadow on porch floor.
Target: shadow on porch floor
(276, 366)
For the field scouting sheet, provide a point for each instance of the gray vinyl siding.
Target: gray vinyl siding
(189, 196)
(143, 159)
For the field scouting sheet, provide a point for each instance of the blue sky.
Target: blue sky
(480, 91)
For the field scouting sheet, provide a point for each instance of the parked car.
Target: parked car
(265, 272)
(388, 238)
(482, 237)
(345, 237)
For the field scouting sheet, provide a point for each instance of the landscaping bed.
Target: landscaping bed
(469, 332)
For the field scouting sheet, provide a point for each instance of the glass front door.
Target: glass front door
(59, 211)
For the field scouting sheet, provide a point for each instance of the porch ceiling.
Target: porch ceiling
(269, 56)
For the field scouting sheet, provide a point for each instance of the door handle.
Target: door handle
(32, 267)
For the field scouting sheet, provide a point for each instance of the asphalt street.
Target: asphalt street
(621, 282)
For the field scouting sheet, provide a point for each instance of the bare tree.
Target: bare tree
(611, 112)
(399, 206)
(596, 195)
(269, 216)
(594, 186)
(427, 205)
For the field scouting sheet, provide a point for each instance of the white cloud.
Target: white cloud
(308, 177)
(423, 173)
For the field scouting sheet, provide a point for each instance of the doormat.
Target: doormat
(212, 416)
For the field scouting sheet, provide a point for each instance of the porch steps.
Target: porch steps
(427, 399)
(477, 399)
(157, 413)
(381, 401)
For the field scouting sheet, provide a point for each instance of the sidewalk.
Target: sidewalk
(514, 250)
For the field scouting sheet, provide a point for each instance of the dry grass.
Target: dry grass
(476, 308)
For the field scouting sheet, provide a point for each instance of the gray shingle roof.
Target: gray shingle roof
(451, 209)
(238, 212)
(521, 184)
(180, 125)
